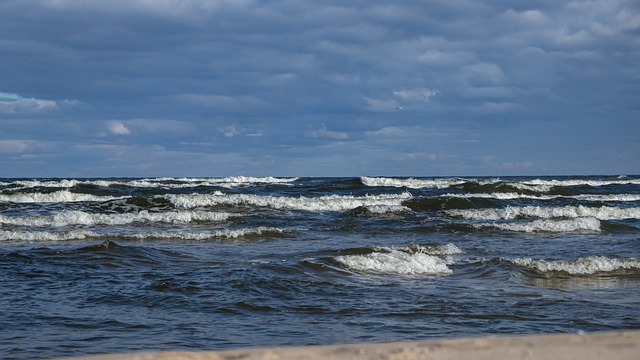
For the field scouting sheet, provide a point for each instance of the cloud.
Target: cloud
(21, 146)
(417, 94)
(11, 103)
(264, 80)
(117, 127)
(323, 133)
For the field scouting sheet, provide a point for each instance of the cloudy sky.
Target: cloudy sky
(319, 88)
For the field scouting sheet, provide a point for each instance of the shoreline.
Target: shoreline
(615, 345)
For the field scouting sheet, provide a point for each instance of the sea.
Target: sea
(111, 265)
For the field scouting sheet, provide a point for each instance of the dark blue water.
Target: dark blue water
(112, 265)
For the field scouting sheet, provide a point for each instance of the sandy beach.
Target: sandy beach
(611, 345)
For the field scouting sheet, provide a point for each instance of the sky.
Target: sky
(148, 88)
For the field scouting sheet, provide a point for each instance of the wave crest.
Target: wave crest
(583, 266)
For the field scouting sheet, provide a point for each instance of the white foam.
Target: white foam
(56, 196)
(30, 236)
(387, 209)
(203, 235)
(582, 266)
(68, 218)
(572, 212)
(324, 203)
(165, 182)
(571, 225)
(411, 183)
(511, 196)
(395, 262)
(581, 182)
(447, 249)
(501, 196)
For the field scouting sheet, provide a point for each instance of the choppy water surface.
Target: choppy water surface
(110, 265)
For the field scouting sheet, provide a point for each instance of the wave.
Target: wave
(35, 236)
(411, 182)
(323, 203)
(494, 184)
(60, 196)
(30, 236)
(514, 196)
(413, 260)
(571, 225)
(581, 182)
(163, 182)
(206, 235)
(571, 212)
(69, 218)
(583, 266)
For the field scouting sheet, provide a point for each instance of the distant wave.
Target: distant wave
(511, 196)
(60, 196)
(69, 218)
(583, 266)
(164, 182)
(513, 212)
(34, 236)
(410, 182)
(323, 203)
(571, 225)
(534, 185)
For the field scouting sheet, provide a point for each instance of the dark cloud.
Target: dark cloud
(301, 87)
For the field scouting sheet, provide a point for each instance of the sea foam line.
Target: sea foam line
(581, 266)
(570, 225)
(411, 182)
(57, 196)
(32, 236)
(511, 196)
(323, 203)
(164, 182)
(513, 212)
(76, 217)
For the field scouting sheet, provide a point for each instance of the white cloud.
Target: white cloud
(20, 146)
(381, 105)
(117, 127)
(446, 58)
(11, 103)
(417, 94)
(327, 134)
(483, 72)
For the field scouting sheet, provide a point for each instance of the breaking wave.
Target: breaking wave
(323, 203)
(61, 196)
(414, 260)
(35, 236)
(68, 218)
(164, 182)
(583, 266)
(512, 212)
(571, 225)
(411, 183)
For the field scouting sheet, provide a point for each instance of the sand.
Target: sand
(607, 346)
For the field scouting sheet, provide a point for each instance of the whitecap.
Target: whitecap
(570, 212)
(582, 266)
(411, 182)
(30, 236)
(76, 217)
(571, 225)
(56, 196)
(395, 262)
(323, 203)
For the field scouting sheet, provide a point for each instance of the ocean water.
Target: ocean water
(112, 265)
